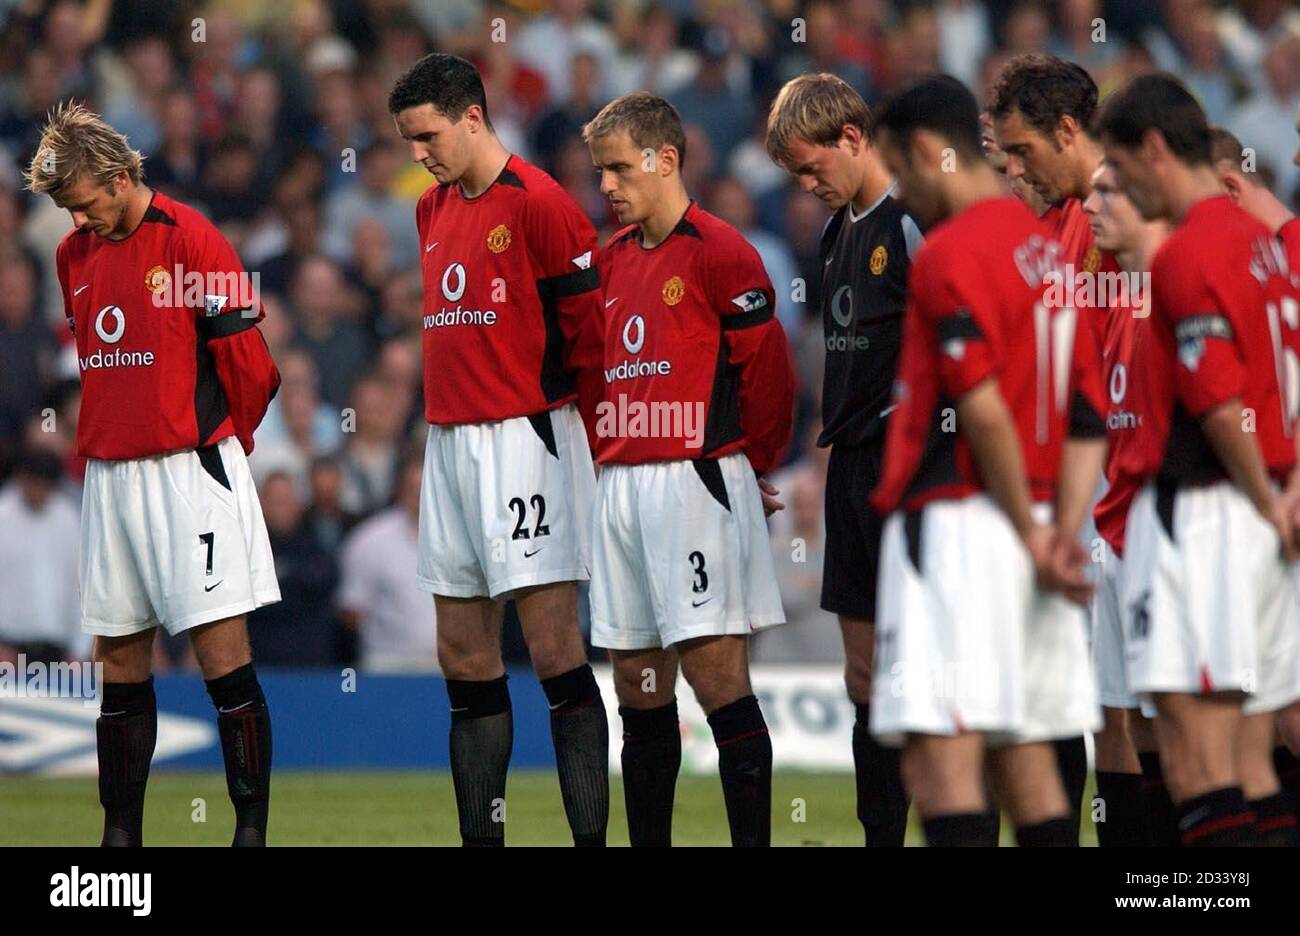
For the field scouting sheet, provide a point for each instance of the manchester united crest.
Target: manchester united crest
(498, 238)
(1092, 260)
(674, 289)
(157, 279)
(879, 257)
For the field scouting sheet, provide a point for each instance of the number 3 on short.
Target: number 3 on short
(701, 584)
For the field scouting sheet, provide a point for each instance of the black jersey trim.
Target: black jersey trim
(210, 459)
(569, 284)
(747, 319)
(1166, 495)
(226, 324)
(960, 325)
(912, 535)
(545, 429)
(155, 215)
(1085, 422)
(710, 473)
(210, 406)
(722, 426)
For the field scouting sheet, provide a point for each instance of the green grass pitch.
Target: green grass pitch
(416, 808)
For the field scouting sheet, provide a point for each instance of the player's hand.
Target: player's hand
(1284, 516)
(1059, 563)
(770, 504)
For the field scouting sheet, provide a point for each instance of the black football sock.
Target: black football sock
(992, 827)
(882, 801)
(482, 735)
(1124, 822)
(1061, 832)
(580, 730)
(957, 830)
(125, 734)
(1287, 766)
(745, 764)
(244, 724)
(1275, 822)
(1160, 805)
(1218, 818)
(652, 757)
(1072, 762)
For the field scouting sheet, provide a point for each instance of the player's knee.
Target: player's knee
(556, 653)
(125, 659)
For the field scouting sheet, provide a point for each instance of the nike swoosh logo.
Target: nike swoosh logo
(431, 246)
(557, 705)
(111, 714)
(828, 261)
(208, 588)
(78, 291)
(700, 604)
(465, 709)
(227, 711)
(529, 555)
(610, 302)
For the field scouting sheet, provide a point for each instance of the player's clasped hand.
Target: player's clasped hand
(770, 504)
(1059, 563)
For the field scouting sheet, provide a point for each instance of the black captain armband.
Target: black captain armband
(1085, 422)
(754, 310)
(227, 324)
(569, 284)
(960, 326)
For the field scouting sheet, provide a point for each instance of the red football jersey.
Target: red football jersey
(977, 311)
(696, 364)
(164, 321)
(1225, 324)
(1289, 234)
(511, 300)
(1121, 354)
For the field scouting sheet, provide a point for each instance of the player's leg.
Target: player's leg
(1029, 788)
(579, 725)
(482, 724)
(125, 733)
(717, 669)
(1285, 762)
(849, 579)
(1197, 750)
(944, 776)
(652, 741)
(1162, 815)
(1120, 810)
(243, 722)
(882, 800)
(1275, 821)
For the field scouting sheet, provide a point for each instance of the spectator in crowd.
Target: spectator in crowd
(40, 611)
(730, 201)
(550, 42)
(325, 514)
(370, 197)
(710, 103)
(822, 52)
(1266, 121)
(298, 426)
(563, 123)
(1188, 42)
(378, 597)
(28, 350)
(176, 166)
(370, 454)
(654, 62)
(339, 348)
(302, 629)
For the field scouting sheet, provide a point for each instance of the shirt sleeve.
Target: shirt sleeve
(61, 270)
(740, 292)
(562, 242)
(1209, 368)
(227, 323)
(965, 337)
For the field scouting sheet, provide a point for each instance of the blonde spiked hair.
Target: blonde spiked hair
(76, 141)
(814, 108)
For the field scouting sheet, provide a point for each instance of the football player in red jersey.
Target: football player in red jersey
(1247, 188)
(995, 386)
(175, 377)
(1209, 538)
(1138, 810)
(1041, 112)
(682, 567)
(511, 368)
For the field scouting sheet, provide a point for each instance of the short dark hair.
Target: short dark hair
(448, 82)
(650, 121)
(1044, 88)
(938, 103)
(1157, 102)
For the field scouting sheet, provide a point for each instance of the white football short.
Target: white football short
(1108, 634)
(965, 641)
(1209, 604)
(506, 505)
(680, 551)
(175, 539)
